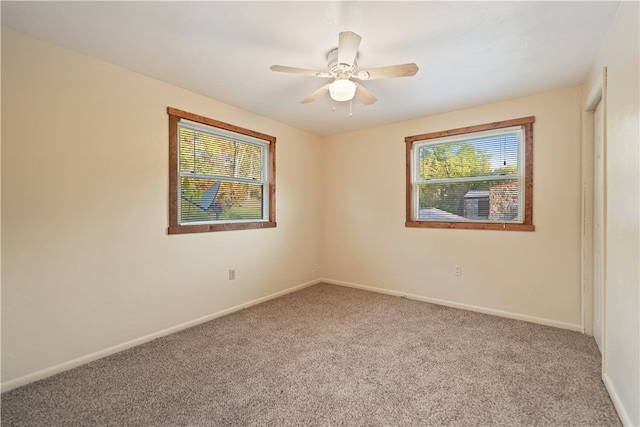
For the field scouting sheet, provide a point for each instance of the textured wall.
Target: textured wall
(620, 55)
(532, 275)
(86, 260)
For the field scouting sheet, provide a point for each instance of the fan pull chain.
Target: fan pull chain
(350, 107)
(333, 105)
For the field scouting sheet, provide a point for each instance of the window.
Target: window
(221, 177)
(478, 177)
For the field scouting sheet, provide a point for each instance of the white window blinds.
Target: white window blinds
(475, 177)
(222, 175)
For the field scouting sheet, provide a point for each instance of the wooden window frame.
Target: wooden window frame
(174, 225)
(527, 225)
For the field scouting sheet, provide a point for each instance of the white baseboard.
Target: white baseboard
(615, 398)
(485, 310)
(47, 372)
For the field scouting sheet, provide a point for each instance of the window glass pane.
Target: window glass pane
(493, 155)
(205, 200)
(487, 200)
(207, 154)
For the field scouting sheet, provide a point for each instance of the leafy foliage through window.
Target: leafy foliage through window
(221, 175)
(477, 177)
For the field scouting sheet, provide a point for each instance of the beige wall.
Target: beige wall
(87, 262)
(528, 275)
(620, 56)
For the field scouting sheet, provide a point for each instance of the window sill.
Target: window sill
(202, 228)
(470, 225)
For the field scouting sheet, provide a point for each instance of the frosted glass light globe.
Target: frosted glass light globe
(342, 90)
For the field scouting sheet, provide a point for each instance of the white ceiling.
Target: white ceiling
(469, 53)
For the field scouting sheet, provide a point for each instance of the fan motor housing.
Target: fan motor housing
(338, 69)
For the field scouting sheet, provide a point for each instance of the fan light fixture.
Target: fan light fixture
(342, 90)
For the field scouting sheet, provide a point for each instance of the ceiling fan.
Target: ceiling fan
(342, 68)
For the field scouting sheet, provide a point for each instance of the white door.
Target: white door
(598, 225)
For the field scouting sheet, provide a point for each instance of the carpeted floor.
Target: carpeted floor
(328, 356)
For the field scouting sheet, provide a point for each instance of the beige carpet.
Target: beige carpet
(329, 356)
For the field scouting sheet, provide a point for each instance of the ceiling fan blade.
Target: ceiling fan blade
(316, 94)
(364, 95)
(294, 70)
(348, 44)
(402, 70)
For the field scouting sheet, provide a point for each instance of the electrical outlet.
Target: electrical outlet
(232, 274)
(457, 270)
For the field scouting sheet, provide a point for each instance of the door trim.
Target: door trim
(598, 94)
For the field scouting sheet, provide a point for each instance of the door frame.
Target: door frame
(597, 95)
